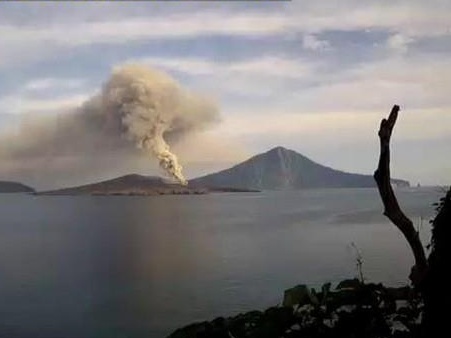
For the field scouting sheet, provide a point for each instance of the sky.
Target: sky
(313, 76)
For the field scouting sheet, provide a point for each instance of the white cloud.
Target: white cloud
(408, 18)
(310, 41)
(342, 126)
(399, 42)
(142, 28)
(20, 104)
(264, 66)
(49, 83)
(420, 82)
(261, 77)
(411, 17)
(24, 43)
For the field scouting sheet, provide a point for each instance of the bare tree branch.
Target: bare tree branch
(391, 206)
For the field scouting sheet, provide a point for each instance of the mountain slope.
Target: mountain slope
(9, 187)
(284, 169)
(134, 184)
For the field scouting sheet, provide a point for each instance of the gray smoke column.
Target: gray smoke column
(146, 105)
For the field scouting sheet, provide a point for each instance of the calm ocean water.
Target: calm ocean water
(142, 266)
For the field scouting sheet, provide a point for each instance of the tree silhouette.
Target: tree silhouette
(429, 276)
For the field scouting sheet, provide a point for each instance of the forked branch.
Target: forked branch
(391, 205)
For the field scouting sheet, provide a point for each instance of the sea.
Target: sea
(143, 266)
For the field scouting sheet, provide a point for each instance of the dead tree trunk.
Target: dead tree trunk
(391, 206)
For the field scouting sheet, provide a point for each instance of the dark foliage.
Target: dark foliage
(353, 309)
(436, 285)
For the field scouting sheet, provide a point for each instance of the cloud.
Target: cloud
(25, 43)
(399, 42)
(253, 78)
(19, 104)
(407, 18)
(310, 41)
(265, 65)
(420, 82)
(416, 17)
(143, 28)
(48, 83)
(353, 126)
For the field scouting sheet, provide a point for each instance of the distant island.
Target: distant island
(14, 187)
(284, 169)
(134, 184)
(276, 169)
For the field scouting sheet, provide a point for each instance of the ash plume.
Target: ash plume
(137, 107)
(150, 104)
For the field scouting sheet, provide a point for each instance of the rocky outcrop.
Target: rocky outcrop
(352, 309)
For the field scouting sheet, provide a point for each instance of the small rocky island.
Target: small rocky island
(14, 187)
(139, 185)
